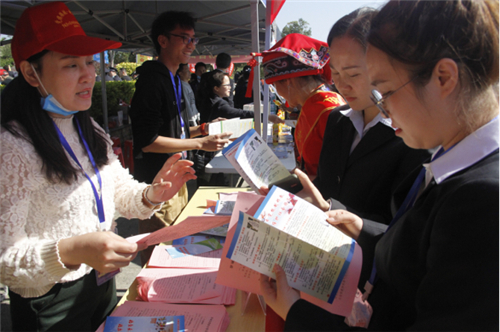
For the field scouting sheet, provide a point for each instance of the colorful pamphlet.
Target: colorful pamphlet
(145, 324)
(195, 245)
(236, 126)
(254, 160)
(301, 241)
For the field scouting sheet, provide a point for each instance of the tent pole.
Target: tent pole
(266, 87)
(256, 79)
(103, 91)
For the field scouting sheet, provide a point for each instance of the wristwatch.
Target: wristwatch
(330, 203)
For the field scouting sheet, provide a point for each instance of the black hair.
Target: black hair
(245, 74)
(418, 34)
(21, 103)
(205, 92)
(223, 61)
(168, 21)
(199, 64)
(181, 67)
(355, 24)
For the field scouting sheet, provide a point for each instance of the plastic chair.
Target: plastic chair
(119, 153)
(128, 148)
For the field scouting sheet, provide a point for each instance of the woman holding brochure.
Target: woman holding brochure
(436, 265)
(61, 181)
(298, 66)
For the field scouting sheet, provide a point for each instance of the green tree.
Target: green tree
(299, 26)
(5, 55)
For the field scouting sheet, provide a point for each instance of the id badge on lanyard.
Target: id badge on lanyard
(97, 193)
(178, 101)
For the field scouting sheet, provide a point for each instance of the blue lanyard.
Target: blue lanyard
(178, 96)
(98, 196)
(407, 204)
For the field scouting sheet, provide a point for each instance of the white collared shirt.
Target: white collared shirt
(465, 153)
(358, 122)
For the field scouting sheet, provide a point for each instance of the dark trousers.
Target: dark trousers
(79, 305)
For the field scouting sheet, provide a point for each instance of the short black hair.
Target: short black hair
(223, 60)
(200, 64)
(168, 21)
(181, 67)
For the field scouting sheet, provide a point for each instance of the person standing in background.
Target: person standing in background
(185, 75)
(199, 69)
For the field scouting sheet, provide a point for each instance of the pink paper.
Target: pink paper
(161, 258)
(231, 197)
(189, 226)
(197, 318)
(183, 286)
(235, 275)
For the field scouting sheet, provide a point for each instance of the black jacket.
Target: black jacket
(154, 113)
(216, 106)
(437, 266)
(373, 180)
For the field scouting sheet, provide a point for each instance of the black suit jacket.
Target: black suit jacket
(372, 181)
(437, 266)
(365, 181)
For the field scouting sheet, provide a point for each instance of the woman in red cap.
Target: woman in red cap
(299, 68)
(61, 182)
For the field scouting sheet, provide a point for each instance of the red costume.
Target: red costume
(297, 55)
(311, 125)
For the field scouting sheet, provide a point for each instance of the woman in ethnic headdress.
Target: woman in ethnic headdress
(299, 68)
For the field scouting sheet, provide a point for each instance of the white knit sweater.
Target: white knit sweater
(35, 214)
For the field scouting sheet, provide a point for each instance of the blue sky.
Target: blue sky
(320, 15)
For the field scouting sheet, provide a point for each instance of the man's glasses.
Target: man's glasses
(187, 40)
(379, 99)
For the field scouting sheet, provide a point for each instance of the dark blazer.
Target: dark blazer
(437, 266)
(364, 181)
(373, 180)
(215, 107)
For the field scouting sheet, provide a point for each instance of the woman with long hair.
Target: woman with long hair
(61, 182)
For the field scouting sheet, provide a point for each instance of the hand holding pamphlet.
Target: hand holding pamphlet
(319, 260)
(256, 163)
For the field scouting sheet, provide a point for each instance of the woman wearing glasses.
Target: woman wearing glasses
(436, 266)
(363, 166)
(214, 89)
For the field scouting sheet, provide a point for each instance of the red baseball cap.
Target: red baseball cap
(51, 26)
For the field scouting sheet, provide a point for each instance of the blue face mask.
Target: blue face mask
(49, 103)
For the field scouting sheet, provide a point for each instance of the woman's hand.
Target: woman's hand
(218, 120)
(215, 142)
(103, 251)
(275, 119)
(278, 295)
(169, 180)
(310, 193)
(347, 222)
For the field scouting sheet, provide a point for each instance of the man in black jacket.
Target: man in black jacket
(160, 124)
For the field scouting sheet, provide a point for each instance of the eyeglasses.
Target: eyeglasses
(187, 40)
(379, 99)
